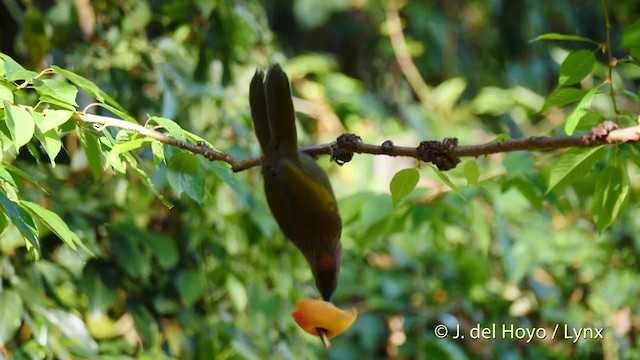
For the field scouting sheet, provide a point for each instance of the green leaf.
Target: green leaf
(125, 147)
(20, 123)
(184, 175)
(87, 86)
(610, 197)
(375, 209)
(165, 251)
(100, 296)
(53, 222)
(146, 325)
(528, 190)
(481, 228)
(11, 313)
(563, 37)
(74, 329)
(56, 92)
(6, 176)
(581, 110)
(157, 149)
(21, 219)
(171, 126)
(134, 163)
(117, 163)
(223, 172)
(471, 172)
(445, 179)
(191, 286)
(590, 120)
(631, 36)
(15, 71)
(447, 93)
(572, 166)
(137, 18)
(501, 137)
(402, 184)
(92, 150)
(237, 293)
(576, 67)
(23, 174)
(5, 92)
(130, 250)
(562, 96)
(4, 222)
(52, 119)
(51, 143)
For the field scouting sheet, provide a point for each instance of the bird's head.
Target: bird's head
(325, 266)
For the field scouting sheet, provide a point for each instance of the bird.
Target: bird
(297, 190)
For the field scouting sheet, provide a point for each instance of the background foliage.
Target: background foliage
(167, 255)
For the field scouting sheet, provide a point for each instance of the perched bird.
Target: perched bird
(297, 189)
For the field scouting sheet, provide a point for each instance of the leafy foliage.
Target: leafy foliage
(166, 255)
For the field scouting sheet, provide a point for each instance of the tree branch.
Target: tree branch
(444, 154)
(199, 148)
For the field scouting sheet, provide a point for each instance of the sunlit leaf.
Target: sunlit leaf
(471, 172)
(581, 110)
(562, 96)
(171, 126)
(576, 67)
(15, 71)
(501, 137)
(124, 147)
(573, 165)
(447, 93)
(20, 123)
(237, 292)
(59, 91)
(74, 329)
(445, 178)
(403, 183)
(52, 119)
(87, 86)
(53, 222)
(563, 37)
(5, 93)
(51, 143)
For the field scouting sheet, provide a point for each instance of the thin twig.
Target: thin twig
(407, 66)
(200, 148)
(605, 134)
(610, 61)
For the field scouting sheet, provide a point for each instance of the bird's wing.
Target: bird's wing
(305, 184)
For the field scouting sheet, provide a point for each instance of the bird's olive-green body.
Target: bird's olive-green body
(298, 190)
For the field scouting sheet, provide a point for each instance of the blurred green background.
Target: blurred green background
(215, 279)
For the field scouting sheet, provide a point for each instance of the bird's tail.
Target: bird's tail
(273, 114)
